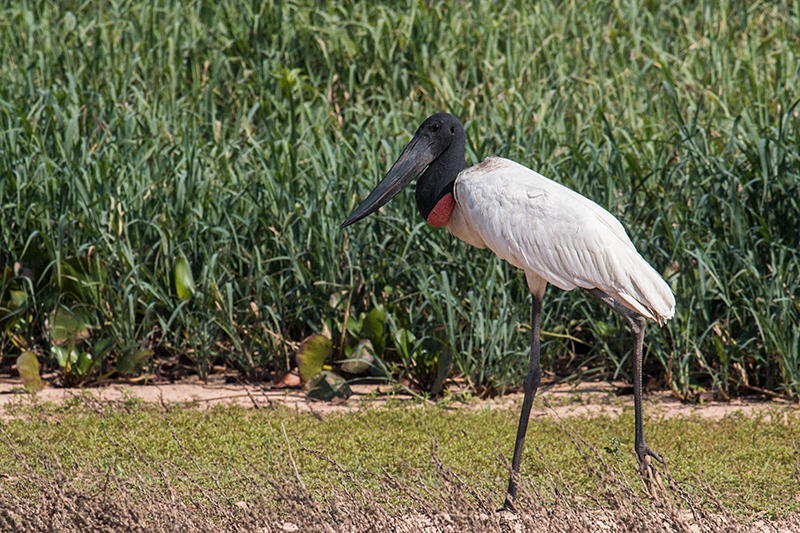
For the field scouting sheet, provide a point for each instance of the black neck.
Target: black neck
(437, 181)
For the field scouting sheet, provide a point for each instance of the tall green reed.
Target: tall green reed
(239, 135)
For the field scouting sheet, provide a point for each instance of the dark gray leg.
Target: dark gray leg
(530, 385)
(637, 323)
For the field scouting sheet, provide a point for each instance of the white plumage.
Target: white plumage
(554, 233)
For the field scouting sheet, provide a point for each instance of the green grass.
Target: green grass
(750, 463)
(239, 135)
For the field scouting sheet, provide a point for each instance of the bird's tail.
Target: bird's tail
(649, 295)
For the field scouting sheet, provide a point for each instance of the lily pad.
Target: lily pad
(372, 329)
(362, 356)
(102, 347)
(133, 362)
(84, 363)
(18, 299)
(313, 352)
(67, 326)
(28, 366)
(62, 354)
(325, 386)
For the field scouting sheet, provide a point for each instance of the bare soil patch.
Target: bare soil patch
(573, 399)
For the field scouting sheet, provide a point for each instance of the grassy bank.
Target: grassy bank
(129, 461)
(173, 176)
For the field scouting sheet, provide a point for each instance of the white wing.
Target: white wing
(551, 231)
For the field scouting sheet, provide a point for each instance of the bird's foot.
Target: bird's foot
(509, 505)
(649, 474)
(510, 502)
(643, 453)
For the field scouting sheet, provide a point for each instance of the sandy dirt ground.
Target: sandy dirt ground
(588, 398)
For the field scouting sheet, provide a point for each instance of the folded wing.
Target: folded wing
(553, 232)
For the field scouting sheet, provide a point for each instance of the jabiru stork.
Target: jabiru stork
(551, 232)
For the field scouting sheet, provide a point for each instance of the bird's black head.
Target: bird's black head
(438, 145)
(440, 130)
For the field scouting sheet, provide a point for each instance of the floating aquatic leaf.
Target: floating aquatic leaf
(337, 299)
(28, 366)
(372, 329)
(102, 347)
(18, 298)
(67, 325)
(62, 355)
(360, 359)
(83, 363)
(354, 326)
(133, 362)
(313, 352)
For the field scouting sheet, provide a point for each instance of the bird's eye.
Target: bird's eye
(436, 127)
(452, 129)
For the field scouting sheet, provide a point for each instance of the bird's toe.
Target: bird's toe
(643, 453)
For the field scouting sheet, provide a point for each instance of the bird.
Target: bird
(551, 232)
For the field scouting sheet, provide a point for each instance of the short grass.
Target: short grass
(748, 466)
(234, 137)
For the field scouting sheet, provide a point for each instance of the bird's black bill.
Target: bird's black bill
(416, 156)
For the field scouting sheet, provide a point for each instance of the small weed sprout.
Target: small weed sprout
(613, 448)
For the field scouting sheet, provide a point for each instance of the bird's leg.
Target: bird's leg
(530, 385)
(637, 324)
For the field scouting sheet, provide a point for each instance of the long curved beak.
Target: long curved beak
(416, 156)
